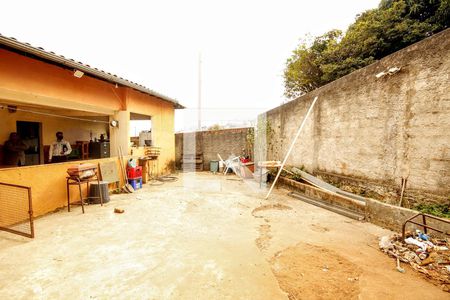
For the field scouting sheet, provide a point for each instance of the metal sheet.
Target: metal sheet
(324, 185)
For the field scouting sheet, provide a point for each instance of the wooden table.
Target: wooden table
(267, 164)
(76, 180)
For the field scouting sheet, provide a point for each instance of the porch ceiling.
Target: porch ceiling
(42, 109)
(25, 99)
(135, 116)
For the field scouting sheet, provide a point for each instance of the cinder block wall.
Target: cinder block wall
(226, 142)
(367, 133)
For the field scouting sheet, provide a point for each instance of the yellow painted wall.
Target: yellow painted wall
(163, 124)
(120, 135)
(73, 130)
(27, 79)
(48, 183)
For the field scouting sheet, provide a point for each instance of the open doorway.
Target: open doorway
(141, 130)
(30, 133)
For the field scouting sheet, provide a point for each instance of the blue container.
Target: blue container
(136, 183)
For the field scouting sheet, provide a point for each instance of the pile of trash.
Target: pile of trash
(424, 253)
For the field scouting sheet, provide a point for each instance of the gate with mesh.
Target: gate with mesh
(16, 214)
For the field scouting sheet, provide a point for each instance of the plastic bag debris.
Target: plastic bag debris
(422, 236)
(385, 242)
(425, 254)
(412, 241)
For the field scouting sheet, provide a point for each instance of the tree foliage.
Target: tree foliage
(215, 127)
(376, 33)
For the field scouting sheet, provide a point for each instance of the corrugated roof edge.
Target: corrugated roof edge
(59, 59)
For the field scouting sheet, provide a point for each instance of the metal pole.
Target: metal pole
(199, 125)
(292, 146)
(30, 212)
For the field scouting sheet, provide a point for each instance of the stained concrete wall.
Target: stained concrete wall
(378, 130)
(226, 142)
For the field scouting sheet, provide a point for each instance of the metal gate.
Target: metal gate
(16, 214)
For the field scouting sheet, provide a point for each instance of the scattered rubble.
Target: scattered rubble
(426, 254)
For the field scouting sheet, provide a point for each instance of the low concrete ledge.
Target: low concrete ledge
(382, 214)
(332, 198)
(387, 215)
(392, 217)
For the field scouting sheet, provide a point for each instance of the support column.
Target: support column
(120, 136)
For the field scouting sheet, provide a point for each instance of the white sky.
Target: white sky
(244, 45)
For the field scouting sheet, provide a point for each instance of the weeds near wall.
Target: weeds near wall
(258, 138)
(438, 210)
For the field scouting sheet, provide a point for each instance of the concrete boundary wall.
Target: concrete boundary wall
(377, 130)
(226, 142)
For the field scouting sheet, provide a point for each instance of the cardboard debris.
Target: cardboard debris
(424, 253)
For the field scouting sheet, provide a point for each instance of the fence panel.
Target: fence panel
(16, 213)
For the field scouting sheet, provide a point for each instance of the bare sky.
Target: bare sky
(244, 45)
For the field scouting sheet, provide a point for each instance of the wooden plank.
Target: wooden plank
(109, 171)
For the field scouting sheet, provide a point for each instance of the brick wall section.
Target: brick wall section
(378, 130)
(226, 142)
(186, 142)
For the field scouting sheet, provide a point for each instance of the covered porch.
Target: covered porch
(42, 93)
(86, 130)
(37, 125)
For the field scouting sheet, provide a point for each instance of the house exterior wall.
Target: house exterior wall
(32, 81)
(29, 82)
(163, 125)
(48, 184)
(367, 133)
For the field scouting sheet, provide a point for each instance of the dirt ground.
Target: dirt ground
(204, 237)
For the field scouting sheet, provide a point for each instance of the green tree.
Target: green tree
(376, 33)
(215, 127)
(303, 72)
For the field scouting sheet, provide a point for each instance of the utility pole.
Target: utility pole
(199, 125)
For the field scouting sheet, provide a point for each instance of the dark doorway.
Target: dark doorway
(30, 133)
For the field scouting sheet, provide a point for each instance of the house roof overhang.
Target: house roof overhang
(72, 64)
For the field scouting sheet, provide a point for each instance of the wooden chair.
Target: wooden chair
(84, 147)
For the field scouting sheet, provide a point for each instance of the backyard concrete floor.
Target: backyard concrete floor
(203, 237)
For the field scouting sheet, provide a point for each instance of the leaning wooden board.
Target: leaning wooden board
(109, 172)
